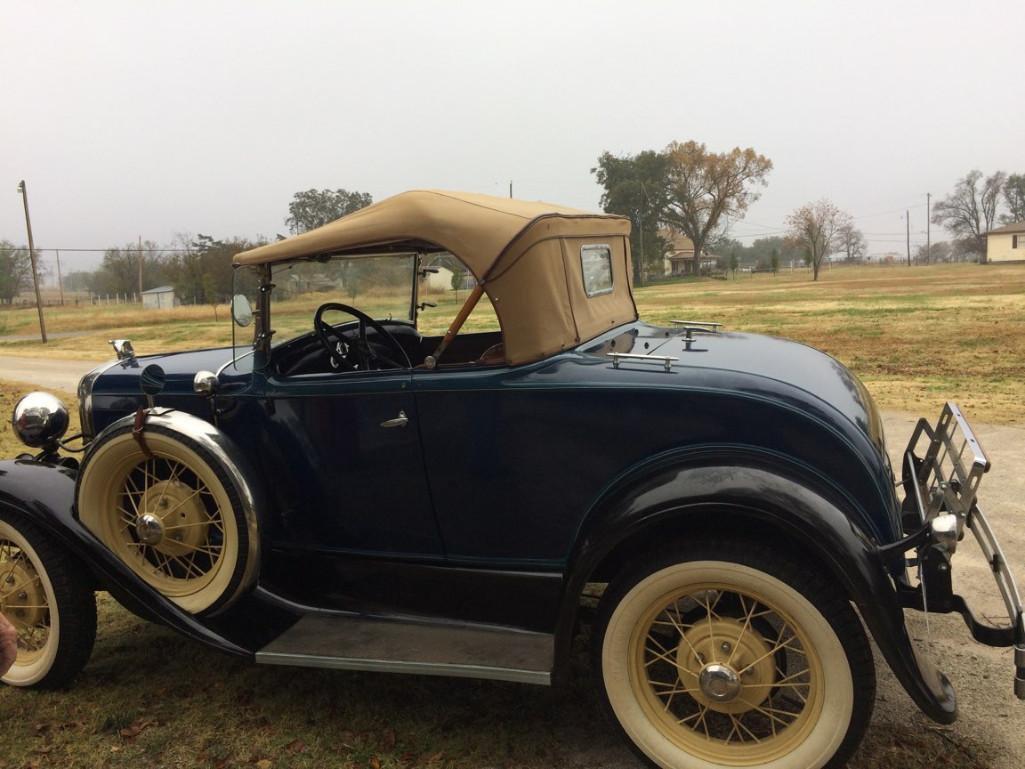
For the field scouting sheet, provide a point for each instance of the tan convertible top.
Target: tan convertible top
(526, 255)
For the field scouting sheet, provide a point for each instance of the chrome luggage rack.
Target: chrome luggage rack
(667, 361)
(945, 482)
(692, 327)
(944, 491)
(700, 326)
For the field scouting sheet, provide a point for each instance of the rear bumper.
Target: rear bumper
(942, 470)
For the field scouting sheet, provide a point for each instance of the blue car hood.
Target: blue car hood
(179, 367)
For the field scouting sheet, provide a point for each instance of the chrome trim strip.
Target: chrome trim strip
(537, 677)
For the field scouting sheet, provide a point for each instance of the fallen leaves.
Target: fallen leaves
(137, 727)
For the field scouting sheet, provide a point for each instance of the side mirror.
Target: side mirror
(241, 310)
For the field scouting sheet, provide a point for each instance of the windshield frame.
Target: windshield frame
(266, 274)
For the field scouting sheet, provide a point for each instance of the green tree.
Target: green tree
(635, 187)
(201, 269)
(15, 270)
(703, 187)
(734, 263)
(1014, 198)
(314, 208)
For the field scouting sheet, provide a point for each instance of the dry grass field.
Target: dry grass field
(916, 336)
(150, 698)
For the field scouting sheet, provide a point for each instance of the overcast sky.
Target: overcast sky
(135, 118)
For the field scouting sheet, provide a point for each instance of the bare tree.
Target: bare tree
(970, 211)
(702, 187)
(852, 242)
(817, 226)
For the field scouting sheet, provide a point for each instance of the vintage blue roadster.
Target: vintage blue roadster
(362, 496)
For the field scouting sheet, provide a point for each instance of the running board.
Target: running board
(394, 646)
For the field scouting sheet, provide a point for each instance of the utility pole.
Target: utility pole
(140, 268)
(510, 188)
(60, 281)
(907, 219)
(928, 217)
(32, 257)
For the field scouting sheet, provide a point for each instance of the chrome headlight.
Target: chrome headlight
(40, 420)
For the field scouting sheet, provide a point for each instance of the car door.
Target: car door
(352, 472)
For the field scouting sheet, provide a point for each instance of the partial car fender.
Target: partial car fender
(697, 495)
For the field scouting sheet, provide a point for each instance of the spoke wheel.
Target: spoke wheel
(170, 516)
(44, 594)
(24, 600)
(708, 662)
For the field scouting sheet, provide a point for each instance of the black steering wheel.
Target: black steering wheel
(358, 354)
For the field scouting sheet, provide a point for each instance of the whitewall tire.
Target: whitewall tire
(47, 595)
(733, 655)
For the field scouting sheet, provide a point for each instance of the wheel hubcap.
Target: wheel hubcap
(729, 665)
(719, 683)
(172, 518)
(150, 529)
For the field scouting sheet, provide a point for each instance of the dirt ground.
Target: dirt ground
(991, 729)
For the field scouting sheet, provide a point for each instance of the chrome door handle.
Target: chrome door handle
(400, 421)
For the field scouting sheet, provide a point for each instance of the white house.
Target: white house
(1006, 244)
(159, 298)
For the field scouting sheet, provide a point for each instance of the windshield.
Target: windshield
(380, 286)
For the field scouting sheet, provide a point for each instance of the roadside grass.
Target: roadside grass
(10, 394)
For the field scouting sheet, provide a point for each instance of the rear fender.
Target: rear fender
(700, 499)
(44, 494)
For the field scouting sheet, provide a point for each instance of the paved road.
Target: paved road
(45, 373)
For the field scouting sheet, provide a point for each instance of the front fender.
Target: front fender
(689, 500)
(44, 494)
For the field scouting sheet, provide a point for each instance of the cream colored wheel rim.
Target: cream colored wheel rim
(167, 516)
(714, 664)
(28, 603)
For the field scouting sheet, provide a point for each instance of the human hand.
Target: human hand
(8, 645)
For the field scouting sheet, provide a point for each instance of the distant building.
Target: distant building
(1006, 244)
(679, 260)
(160, 298)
